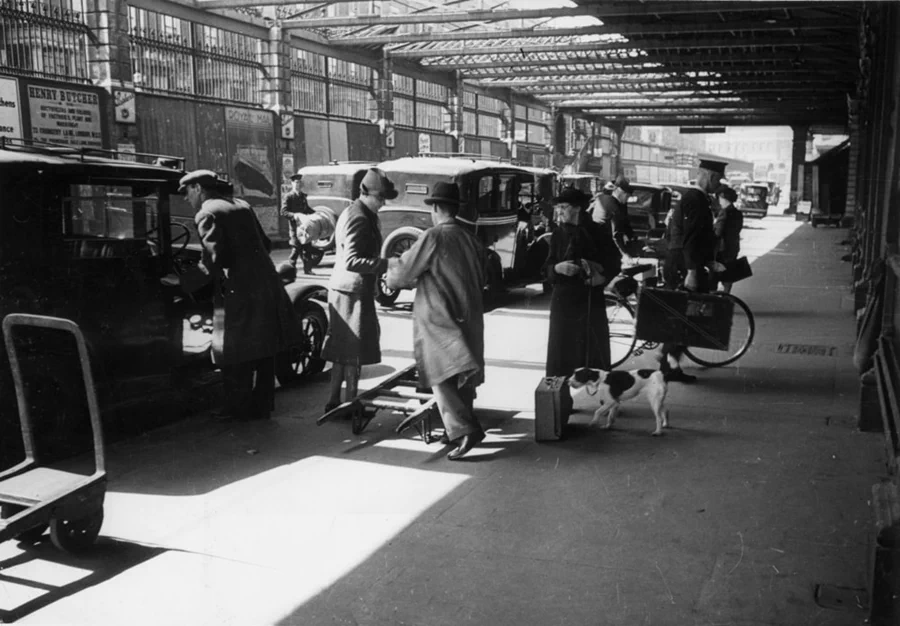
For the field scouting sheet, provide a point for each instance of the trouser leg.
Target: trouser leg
(237, 379)
(264, 387)
(458, 418)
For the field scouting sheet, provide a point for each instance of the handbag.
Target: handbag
(736, 270)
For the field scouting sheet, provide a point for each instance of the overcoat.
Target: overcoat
(447, 266)
(728, 225)
(252, 317)
(354, 332)
(579, 328)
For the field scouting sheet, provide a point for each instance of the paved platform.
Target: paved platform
(758, 494)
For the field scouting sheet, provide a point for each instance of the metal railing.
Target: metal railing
(44, 39)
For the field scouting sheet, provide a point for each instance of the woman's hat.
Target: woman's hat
(727, 192)
(623, 183)
(573, 196)
(444, 193)
(375, 181)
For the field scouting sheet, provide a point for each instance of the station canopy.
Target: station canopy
(650, 62)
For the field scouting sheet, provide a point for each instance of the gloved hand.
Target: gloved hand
(567, 268)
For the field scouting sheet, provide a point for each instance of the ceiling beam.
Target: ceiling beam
(239, 4)
(570, 47)
(699, 27)
(686, 103)
(672, 44)
(563, 82)
(438, 17)
(599, 11)
(750, 72)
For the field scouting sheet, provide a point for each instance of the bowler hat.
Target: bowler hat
(296, 176)
(206, 178)
(375, 181)
(623, 183)
(443, 193)
(573, 196)
(713, 166)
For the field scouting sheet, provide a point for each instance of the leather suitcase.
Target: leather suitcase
(552, 407)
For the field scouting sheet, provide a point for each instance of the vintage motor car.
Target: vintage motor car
(585, 181)
(646, 204)
(89, 237)
(489, 193)
(753, 199)
(329, 190)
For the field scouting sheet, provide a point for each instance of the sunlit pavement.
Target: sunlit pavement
(758, 493)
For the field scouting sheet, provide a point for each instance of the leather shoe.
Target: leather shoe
(465, 445)
(444, 440)
(678, 376)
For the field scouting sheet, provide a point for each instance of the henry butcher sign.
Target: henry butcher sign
(10, 115)
(68, 116)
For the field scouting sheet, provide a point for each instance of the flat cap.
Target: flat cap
(713, 166)
(207, 178)
(572, 195)
(297, 176)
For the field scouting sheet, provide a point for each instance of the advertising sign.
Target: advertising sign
(287, 126)
(251, 150)
(66, 116)
(125, 112)
(10, 109)
(424, 143)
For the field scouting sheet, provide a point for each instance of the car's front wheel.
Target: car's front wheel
(397, 243)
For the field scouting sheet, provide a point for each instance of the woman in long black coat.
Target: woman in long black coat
(578, 266)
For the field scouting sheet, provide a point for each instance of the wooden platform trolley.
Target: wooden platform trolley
(400, 393)
(34, 496)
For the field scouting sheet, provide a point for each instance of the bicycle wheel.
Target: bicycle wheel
(742, 330)
(621, 329)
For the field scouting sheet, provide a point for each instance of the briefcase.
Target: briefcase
(736, 270)
(552, 407)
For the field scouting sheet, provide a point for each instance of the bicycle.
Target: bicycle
(622, 341)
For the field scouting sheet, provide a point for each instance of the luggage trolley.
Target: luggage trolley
(401, 393)
(34, 496)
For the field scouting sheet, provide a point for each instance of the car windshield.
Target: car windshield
(108, 211)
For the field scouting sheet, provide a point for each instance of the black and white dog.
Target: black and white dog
(612, 388)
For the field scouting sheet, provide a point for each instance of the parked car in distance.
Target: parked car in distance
(329, 190)
(89, 237)
(490, 206)
(585, 181)
(752, 199)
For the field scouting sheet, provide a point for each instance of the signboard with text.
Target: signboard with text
(251, 139)
(10, 109)
(65, 116)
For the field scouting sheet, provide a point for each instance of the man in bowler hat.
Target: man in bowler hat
(447, 266)
(252, 315)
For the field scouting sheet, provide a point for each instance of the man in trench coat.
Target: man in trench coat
(253, 318)
(447, 266)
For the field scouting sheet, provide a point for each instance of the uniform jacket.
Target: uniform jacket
(253, 317)
(699, 243)
(295, 202)
(447, 266)
(727, 226)
(357, 263)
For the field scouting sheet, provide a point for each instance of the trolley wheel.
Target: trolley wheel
(32, 535)
(743, 328)
(621, 329)
(76, 535)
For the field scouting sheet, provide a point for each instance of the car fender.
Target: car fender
(301, 293)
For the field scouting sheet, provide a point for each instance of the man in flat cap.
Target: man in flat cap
(253, 318)
(353, 337)
(295, 203)
(447, 266)
(612, 208)
(692, 251)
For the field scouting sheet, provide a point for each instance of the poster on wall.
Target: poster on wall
(287, 170)
(66, 116)
(251, 151)
(10, 109)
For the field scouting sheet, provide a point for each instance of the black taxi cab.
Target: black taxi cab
(329, 190)
(490, 206)
(88, 236)
(753, 199)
